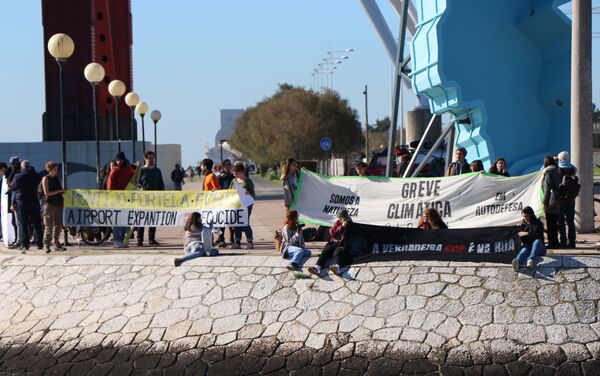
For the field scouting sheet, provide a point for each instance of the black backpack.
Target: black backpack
(569, 187)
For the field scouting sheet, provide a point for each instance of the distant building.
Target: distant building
(228, 120)
(102, 33)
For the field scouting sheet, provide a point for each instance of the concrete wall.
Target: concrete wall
(83, 154)
(249, 315)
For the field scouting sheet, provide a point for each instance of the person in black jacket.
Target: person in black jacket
(531, 232)
(24, 185)
(150, 180)
(551, 184)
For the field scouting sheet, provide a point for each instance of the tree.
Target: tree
(291, 123)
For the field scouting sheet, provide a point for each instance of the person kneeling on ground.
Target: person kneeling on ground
(431, 220)
(292, 242)
(197, 240)
(336, 240)
(531, 232)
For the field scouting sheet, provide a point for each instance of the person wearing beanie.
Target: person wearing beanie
(460, 166)
(334, 247)
(566, 205)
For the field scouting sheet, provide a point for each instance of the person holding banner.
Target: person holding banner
(118, 178)
(531, 232)
(336, 240)
(499, 167)
(461, 166)
(225, 179)
(551, 200)
(292, 242)
(150, 180)
(289, 181)
(197, 240)
(241, 178)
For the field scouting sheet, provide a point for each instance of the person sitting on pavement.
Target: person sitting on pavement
(241, 178)
(431, 220)
(118, 179)
(336, 239)
(24, 185)
(150, 180)
(460, 166)
(476, 166)
(499, 167)
(53, 207)
(292, 242)
(197, 240)
(531, 232)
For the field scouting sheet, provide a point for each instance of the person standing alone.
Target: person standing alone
(177, 177)
(53, 207)
(150, 180)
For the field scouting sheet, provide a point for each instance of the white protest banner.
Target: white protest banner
(90, 207)
(8, 230)
(465, 201)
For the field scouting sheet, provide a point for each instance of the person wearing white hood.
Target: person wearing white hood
(569, 189)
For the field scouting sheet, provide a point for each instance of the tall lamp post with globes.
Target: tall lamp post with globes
(132, 99)
(94, 73)
(116, 88)
(61, 47)
(141, 109)
(155, 116)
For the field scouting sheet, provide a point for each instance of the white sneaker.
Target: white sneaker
(529, 263)
(316, 270)
(335, 269)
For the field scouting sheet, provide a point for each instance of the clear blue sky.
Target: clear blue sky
(192, 58)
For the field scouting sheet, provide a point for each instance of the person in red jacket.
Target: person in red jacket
(118, 178)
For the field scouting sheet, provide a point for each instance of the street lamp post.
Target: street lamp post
(132, 99)
(61, 47)
(116, 88)
(141, 109)
(366, 93)
(222, 141)
(155, 116)
(94, 73)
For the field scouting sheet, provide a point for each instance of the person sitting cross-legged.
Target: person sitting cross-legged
(292, 242)
(336, 240)
(531, 232)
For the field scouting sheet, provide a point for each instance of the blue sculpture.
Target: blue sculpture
(503, 64)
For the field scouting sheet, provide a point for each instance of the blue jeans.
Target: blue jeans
(297, 255)
(196, 250)
(119, 234)
(537, 249)
(237, 233)
(566, 210)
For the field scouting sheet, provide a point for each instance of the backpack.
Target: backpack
(40, 192)
(569, 187)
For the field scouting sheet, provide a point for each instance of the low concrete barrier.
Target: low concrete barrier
(248, 315)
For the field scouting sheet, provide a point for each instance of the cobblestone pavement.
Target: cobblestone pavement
(231, 315)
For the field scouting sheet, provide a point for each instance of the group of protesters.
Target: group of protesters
(558, 204)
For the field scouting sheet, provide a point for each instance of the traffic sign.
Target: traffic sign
(326, 143)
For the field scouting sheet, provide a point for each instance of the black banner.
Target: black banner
(377, 243)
